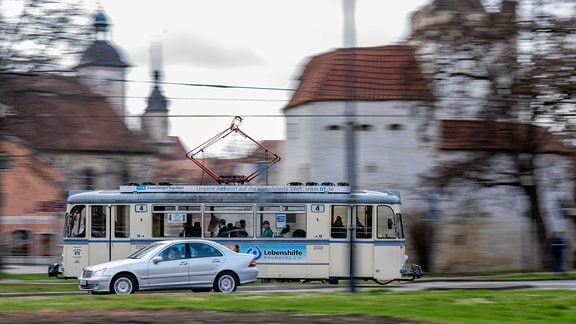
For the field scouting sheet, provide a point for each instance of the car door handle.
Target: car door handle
(183, 263)
(215, 261)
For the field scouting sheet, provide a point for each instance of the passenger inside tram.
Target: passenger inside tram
(338, 229)
(286, 231)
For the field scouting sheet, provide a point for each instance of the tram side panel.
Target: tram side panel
(75, 257)
(290, 259)
(388, 259)
(103, 234)
(390, 244)
(318, 250)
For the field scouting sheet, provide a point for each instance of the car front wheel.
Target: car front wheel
(123, 285)
(225, 283)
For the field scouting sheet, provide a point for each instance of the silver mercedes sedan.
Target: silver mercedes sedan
(199, 265)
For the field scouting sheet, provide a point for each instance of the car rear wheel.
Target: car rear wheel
(225, 283)
(123, 285)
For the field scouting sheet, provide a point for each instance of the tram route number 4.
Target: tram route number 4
(317, 208)
(141, 208)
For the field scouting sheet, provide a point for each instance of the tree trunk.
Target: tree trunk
(541, 230)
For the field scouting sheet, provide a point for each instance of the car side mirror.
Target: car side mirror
(157, 259)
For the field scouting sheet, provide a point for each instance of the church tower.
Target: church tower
(155, 118)
(102, 68)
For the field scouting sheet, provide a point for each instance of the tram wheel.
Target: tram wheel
(123, 285)
(225, 283)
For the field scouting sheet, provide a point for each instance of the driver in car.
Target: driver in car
(173, 254)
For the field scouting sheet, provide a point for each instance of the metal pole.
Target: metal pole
(3, 166)
(350, 113)
(110, 231)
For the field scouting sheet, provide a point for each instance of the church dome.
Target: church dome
(102, 53)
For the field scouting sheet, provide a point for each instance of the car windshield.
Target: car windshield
(144, 251)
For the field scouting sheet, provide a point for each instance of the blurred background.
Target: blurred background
(470, 116)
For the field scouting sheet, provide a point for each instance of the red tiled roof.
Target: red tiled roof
(179, 152)
(489, 135)
(259, 154)
(186, 172)
(59, 113)
(380, 73)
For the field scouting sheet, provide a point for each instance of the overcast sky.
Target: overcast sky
(246, 43)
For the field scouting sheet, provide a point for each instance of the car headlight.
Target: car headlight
(99, 272)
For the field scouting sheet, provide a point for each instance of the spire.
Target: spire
(156, 101)
(101, 25)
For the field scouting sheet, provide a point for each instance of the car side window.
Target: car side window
(174, 252)
(199, 250)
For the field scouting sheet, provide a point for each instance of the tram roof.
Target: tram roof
(192, 188)
(233, 194)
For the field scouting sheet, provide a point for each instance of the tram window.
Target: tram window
(283, 224)
(229, 221)
(339, 221)
(386, 226)
(162, 227)
(294, 208)
(400, 226)
(76, 222)
(122, 221)
(98, 218)
(270, 208)
(176, 221)
(157, 225)
(192, 227)
(164, 208)
(189, 208)
(363, 221)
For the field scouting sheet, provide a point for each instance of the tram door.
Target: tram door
(389, 247)
(340, 216)
(363, 224)
(97, 234)
(109, 235)
(120, 223)
(352, 226)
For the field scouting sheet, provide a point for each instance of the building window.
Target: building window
(125, 174)
(395, 127)
(371, 168)
(46, 243)
(363, 127)
(5, 162)
(21, 242)
(292, 131)
(88, 179)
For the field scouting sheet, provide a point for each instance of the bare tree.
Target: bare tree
(42, 35)
(38, 36)
(509, 63)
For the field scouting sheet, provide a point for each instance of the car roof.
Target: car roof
(178, 241)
